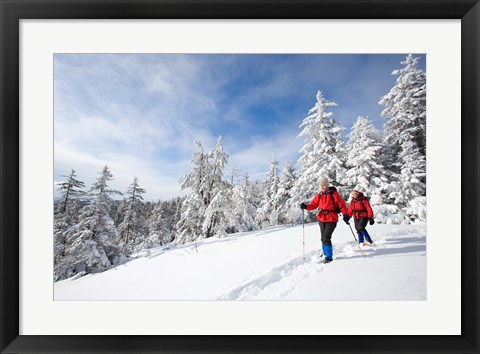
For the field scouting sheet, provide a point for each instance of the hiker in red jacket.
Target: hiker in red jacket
(329, 203)
(362, 214)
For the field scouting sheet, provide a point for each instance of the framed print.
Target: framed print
(85, 84)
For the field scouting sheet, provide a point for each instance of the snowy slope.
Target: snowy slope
(269, 265)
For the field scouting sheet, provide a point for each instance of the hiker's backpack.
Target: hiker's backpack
(337, 208)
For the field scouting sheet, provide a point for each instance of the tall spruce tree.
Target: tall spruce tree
(65, 217)
(93, 246)
(267, 213)
(284, 194)
(322, 153)
(70, 190)
(405, 127)
(364, 161)
(215, 185)
(205, 180)
(245, 206)
(133, 229)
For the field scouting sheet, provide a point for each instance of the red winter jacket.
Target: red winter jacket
(324, 202)
(360, 208)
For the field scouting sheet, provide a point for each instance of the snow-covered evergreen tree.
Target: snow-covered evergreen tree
(70, 191)
(93, 245)
(284, 194)
(411, 181)
(232, 176)
(215, 185)
(65, 217)
(364, 162)
(267, 213)
(100, 187)
(190, 225)
(132, 230)
(405, 127)
(162, 222)
(322, 154)
(214, 222)
(157, 228)
(405, 106)
(205, 180)
(273, 181)
(244, 206)
(63, 227)
(228, 220)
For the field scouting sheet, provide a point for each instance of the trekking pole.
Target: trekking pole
(355, 240)
(303, 231)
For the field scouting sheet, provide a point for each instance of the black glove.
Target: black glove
(346, 218)
(371, 221)
(303, 206)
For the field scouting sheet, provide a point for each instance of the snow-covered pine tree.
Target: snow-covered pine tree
(405, 127)
(244, 206)
(405, 106)
(148, 209)
(322, 154)
(93, 245)
(232, 176)
(411, 182)
(70, 190)
(156, 226)
(364, 161)
(267, 213)
(162, 222)
(132, 230)
(228, 220)
(284, 194)
(215, 185)
(189, 227)
(205, 181)
(65, 217)
(101, 187)
(214, 215)
(62, 230)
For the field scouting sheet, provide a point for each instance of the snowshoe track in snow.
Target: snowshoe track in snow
(284, 276)
(299, 268)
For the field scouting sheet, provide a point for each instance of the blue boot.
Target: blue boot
(367, 236)
(360, 237)
(328, 251)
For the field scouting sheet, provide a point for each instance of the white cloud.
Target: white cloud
(255, 158)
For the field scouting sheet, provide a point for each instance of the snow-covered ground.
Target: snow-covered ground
(269, 265)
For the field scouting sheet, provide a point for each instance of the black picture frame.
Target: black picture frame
(12, 11)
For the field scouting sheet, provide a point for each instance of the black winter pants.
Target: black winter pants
(326, 230)
(360, 224)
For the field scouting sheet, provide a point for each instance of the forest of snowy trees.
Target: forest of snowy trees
(94, 230)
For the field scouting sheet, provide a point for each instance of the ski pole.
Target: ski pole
(303, 231)
(355, 240)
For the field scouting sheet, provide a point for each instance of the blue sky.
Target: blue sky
(141, 113)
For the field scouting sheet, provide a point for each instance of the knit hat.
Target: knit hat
(324, 181)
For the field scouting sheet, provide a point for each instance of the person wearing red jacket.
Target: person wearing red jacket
(329, 203)
(362, 213)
